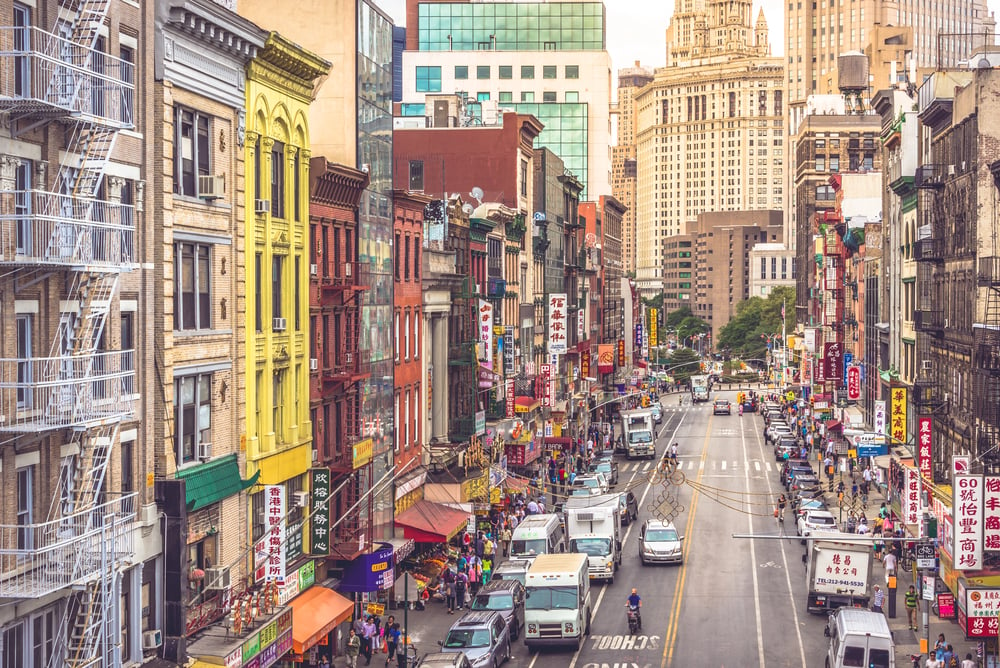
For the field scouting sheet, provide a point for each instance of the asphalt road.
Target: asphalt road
(735, 602)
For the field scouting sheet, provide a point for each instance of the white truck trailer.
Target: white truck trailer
(838, 572)
(594, 527)
(637, 428)
(557, 600)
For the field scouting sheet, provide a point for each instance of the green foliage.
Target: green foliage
(653, 302)
(754, 317)
(675, 318)
(681, 364)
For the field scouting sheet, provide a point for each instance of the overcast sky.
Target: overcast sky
(637, 28)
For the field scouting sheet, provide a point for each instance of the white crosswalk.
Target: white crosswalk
(696, 464)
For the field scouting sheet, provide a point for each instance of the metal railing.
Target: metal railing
(927, 320)
(43, 72)
(38, 559)
(45, 228)
(68, 391)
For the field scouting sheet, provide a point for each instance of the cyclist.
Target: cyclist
(634, 602)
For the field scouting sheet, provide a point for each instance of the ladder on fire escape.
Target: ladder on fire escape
(89, 627)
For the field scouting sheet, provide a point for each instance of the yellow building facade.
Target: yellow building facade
(278, 435)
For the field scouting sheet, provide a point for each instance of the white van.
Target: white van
(859, 637)
(538, 534)
(557, 601)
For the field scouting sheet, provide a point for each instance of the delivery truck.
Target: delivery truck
(557, 600)
(838, 572)
(637, 429)
(699, 388)
(594, 527)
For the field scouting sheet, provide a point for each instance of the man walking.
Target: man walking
(911, 607)
(878, 598)
(352, 649)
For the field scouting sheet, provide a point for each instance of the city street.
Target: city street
(734, 602)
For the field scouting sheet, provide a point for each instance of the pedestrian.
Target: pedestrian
(449, 596)
(911, 607)
(889, 561)
(352, 648)
(948, 655)
(401, 648)
(324, 662)
(461, 584)
(505, 536)
(939, 647)
(391, 640)
(878, 598)
(368, 639)
(967, 662)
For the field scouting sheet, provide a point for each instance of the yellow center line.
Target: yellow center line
(670, 638)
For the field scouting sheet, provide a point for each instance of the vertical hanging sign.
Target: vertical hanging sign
(897, 416)
(621, 353)
(270, 557)
(546, 372)
(509, 398)
(319, 527)
(911, 497)
(925, 424)
(508, 350)
(653, 331)
(853, 383)
(879, 420)
(581, 324)
(557, 324)
(968, 510)
(485, 322)
(991, 513)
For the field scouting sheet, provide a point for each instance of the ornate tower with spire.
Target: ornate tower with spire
(760, 35)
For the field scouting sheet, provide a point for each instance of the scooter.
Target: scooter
(634, 622)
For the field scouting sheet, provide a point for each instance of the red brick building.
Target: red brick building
(335, 325)
(408, 235)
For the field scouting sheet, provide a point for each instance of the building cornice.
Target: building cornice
(214, 26)
(334, 184)
(288, 66)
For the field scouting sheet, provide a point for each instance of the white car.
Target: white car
(595, 480)
(815, 521)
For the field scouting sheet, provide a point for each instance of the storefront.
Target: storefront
(316, 615)
(261, 647)
(429, 522)
(410, 491)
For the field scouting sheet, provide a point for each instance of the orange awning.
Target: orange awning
(316, 612)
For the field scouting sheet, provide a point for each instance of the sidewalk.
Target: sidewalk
(907, 641)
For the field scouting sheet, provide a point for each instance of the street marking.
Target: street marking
(723, 464)
(701, 465)
(756, 465)
(630, 642)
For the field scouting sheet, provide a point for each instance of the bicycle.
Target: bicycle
(411, 655)
(906, 560)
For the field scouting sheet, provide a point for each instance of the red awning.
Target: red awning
(833, 425)
(558, 440)
(429, 522)
(641, 364)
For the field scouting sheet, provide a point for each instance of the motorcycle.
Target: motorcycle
(634, 621)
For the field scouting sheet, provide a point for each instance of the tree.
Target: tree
(682, 364)
(691, 326)
(674, 318)
(755, 317)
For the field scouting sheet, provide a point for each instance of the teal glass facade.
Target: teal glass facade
(523, 26)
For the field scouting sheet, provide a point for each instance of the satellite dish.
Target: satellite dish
(467, 208)
(476, 193)
(455, 196)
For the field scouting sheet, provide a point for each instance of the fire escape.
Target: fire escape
(986, 358)
(71, 238)
(832, 284)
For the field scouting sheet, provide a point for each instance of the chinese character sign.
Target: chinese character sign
(508, 350)
(982, 607)
(991, 513)
(585, 364)
(652, 327)
(509, 398)
(924, 430)
(320, 522)
(853, 382)
(581, 324)
(911, 497)
(557, 324)
(897, 415)
(621, 353)
(484, 321)
(271, 547)
(638, 335)
(832, 359)
(879, 419)
(968, 510)
(546, 373)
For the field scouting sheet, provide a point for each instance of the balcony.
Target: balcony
(929, 176)
(44, 74)
(347, 278)
(462, 429)
(44, 393)
(926, 392)
(39, 228)
(39, 559)
(988, 271)
(925, 320)
(986, 407)
(928, 250)
(987, 348)
(347, 367)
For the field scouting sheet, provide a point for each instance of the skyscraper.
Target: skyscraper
(623, 165)
(709, 128)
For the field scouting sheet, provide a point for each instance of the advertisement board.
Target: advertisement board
(485, 323)
(968, 507)
(557, 324)
(853, 383)
(838, 572)
(911, 497)
(925, 425)
(878, 421)
(897, 415)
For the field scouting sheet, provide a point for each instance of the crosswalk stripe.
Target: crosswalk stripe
(756, 465)
(647, 466)
(701, 465)
(723, 464)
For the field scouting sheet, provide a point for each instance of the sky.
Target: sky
(637, 28)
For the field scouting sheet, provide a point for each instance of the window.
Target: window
(524, 178)
(127, 54)
(834, 163)
(482, 71)
(128, 345)
(257, 176)
(571, 96)
(23, 324)
(296, 187)
(192, 416)
(406, 258)
(397, 251)
(258, 298)
(548, 71)
(461, 72)
(22, 41)
(763, 268)
(278, 399)
(277, 262)
(406, 337)
(527, 96)
(399, 416)
(297, 266)
(22, 207)
(506, 72)
(416, 335)
(257, 511)
(406, 419)
(429, 79)
(572, 71)
(128, 480)
(548, 96)
(416, 175)
(192, 150)
(416, 259)
(278, 180)
(192, 286)
(527, 71)
(25, 508)
(395, 341)
(820, 163)
(482, 97)
(505, 96)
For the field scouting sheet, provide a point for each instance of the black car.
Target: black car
(507, 598)
(805, 482)
(795, 471)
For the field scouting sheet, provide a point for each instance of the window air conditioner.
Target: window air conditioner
(925, 365)
(300, 499)
(313, 364)
(279, 324)
(212, 187)
(217, 579)
(313, 269)
(348, 357)
(347, 270)
(951, 170)
(261, 206)
(204, 451)
(152, 639)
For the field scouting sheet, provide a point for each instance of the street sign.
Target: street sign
(925, 555)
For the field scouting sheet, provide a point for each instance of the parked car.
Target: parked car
(660, 543)
(505, 597)
(815, 521)
(776, 431)
(657, 412)
(483, 637)
(805, 482)
(810, 504)
(594, 480)
(722, 407)
(608, 467)
(444, 659)
(785, 444)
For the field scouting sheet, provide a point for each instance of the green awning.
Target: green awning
(213, 481)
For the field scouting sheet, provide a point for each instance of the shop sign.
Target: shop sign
(638, 335)
(807, 371)
(375, 609)
(509, 397)
(546, 370)
(266, 646)
(508, 350)
(302, 579)
(833, 360)
(319, 529)
(819, 368)
(982, 612)
(652, 327)
(925, 425)
(585, 363)
(485, 322)
(853, 383)
(621, 353)
(371, 571)
(480, 423)
(946, 605)
(846, 360)
(606, 357)
(581, 324)
(897, 417)
(960, 464)
(270, 550)
(968, 508)
(911, 497)
(991, 513)
(361, 453)
(557, 324)
(879, 420)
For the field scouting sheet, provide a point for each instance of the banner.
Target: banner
(853, 383)
(621, 353)
(991, 513)
(606, 357)
(485, 322)
(925, 424)
(509, 397)
(557, 324)
(585, 363)
(319, 527)
(638, 335)
(847, 359)
(581, 324)
(546, 373)
(832, 360)
(270, 550)
(879, 419)
(897, 415)
(652, 327)
(819, 371)
(911, 498)
(508, 351)
(967, 506)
